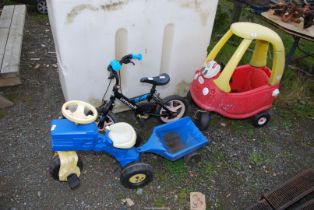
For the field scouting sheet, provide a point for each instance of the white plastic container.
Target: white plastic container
(172, 35)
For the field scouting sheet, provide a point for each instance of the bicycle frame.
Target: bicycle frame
(132, 102)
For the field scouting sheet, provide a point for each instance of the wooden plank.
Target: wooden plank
(5, 23)
(4, 34)
(10, 81)
(4, 103)
(6, 16)
(12, 55)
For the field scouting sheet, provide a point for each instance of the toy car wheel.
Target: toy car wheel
(176, 104)
(193, 159)
(260, 120)
(42, 6)
(55, 167)
(136, 175)
(202, 120)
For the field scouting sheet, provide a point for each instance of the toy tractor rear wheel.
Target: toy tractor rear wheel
(202, 120)
(261, 119)
(136, 175)
(193, 159)
(55, 167)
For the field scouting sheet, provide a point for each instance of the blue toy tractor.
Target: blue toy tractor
(79, 132)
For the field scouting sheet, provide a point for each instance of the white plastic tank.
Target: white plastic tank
(172, 35)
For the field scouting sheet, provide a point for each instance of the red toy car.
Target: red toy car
(244, 91)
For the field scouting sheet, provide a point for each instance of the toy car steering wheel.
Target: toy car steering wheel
(79, 115)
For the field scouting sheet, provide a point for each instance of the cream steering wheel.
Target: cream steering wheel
(79, 116)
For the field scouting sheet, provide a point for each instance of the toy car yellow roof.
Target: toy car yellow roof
(255, 31)
(250, 32)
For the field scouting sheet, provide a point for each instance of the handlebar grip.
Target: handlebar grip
(115, 65)
(137, 56)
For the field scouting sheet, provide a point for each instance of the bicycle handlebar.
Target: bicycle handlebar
(137, 56)
(116, 65)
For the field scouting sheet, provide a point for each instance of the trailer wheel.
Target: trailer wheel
(136, 175)
(261, 119)
(55, 167)
(193, 159)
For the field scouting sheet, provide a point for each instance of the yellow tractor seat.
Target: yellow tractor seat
(122, 135)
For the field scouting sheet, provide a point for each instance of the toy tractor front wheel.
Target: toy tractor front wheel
(55, 168)
(136, 175)
(261, 119)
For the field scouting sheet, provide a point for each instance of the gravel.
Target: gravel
(239, 164)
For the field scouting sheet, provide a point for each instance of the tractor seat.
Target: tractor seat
(162, 79)
(122, 135)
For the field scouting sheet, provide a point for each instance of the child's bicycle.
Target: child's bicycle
(149, 104)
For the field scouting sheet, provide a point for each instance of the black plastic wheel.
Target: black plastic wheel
(55, 167)
(202, 120)
(261, 119)
(174, 103)
(193, 159)
(136, 175)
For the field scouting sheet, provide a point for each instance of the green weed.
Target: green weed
(160, 201)
(183, 196)
(257, 158)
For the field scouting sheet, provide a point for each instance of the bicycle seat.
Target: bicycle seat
(162, 79)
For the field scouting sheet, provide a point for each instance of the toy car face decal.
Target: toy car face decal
(211, 69)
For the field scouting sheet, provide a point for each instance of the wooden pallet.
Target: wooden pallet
(11, 37)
